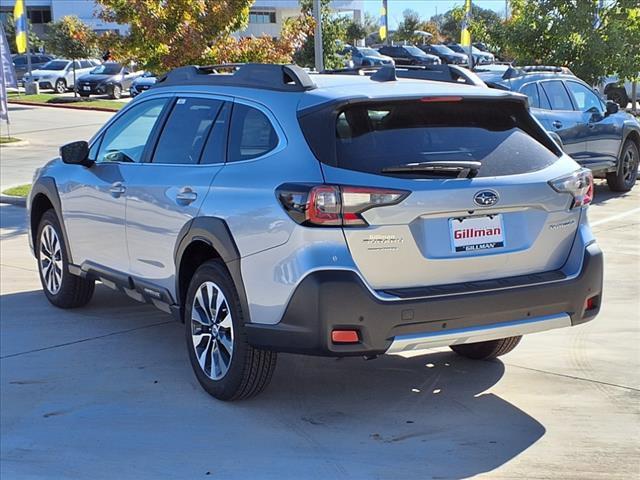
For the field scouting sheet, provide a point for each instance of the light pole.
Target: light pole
(317, 37)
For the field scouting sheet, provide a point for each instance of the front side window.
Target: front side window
(125, 140)
(531, 91)
(584, 98)
(557, 95)
(251, 135)
(187, 128)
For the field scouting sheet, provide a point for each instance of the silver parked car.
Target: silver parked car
(271, 210)
(58, 74)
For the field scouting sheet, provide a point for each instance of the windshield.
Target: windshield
(475, 50)
(107, 69)
(369, 52)
(442, 49)
(55, 65)
(415, 51)
(374, 136)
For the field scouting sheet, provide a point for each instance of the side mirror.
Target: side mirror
(612, 107)
(76, 153)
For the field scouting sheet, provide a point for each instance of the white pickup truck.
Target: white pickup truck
(617, 91)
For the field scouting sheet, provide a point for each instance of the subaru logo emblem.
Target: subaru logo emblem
(486, 198)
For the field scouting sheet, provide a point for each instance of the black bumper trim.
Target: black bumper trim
(327, 300)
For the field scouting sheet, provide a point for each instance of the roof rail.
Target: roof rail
(437, 73)
(518, 71)
(285, 78)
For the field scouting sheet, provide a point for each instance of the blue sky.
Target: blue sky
(426, 8)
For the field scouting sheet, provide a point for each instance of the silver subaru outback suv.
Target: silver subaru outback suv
(272, 210)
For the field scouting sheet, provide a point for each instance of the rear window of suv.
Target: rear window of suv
(370, 137)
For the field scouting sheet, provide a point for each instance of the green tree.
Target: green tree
(69, 37)
(35, 42)
(450, 23)
(167, 34)
(334, 32)
(592, 42)
(355, 32)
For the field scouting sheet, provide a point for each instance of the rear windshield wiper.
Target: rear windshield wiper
(461, 168)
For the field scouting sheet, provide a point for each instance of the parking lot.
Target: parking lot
(106, 391)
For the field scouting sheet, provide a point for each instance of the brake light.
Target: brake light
(334, 205)
(579, 184)
(440, 99)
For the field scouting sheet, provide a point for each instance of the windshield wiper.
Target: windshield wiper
(462, 168)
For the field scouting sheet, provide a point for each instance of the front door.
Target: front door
(569, 124)
(94, 202)
(168, 191)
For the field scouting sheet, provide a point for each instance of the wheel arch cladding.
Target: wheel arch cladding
(44, 196)
(202, 239)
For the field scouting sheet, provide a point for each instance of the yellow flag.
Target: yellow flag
(20, 19)
(383, 21)
(465, 36)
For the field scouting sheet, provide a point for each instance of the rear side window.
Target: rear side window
(186, 130)
(371, 137)
(557, 95)
(251, 135)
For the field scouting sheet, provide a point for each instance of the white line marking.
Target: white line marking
(615, 217)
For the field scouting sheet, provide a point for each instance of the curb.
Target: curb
(19, 143)
(60, 105)
(11, 200)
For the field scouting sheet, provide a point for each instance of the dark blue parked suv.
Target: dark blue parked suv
(593, 132)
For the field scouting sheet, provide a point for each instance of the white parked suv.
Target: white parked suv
(58, 74)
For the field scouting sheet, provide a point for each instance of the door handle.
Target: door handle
(185, 196)
(557, 124)
(117, 189)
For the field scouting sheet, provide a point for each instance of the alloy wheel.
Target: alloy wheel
(51, 259)
(212, 330)
(629, 162)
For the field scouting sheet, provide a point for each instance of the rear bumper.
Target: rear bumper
(337, 299)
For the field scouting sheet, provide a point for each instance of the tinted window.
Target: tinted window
(531, 91)
(186, 130)
(76, 64)
(20, 61)
(584, 98)
(251, 135)
(85, 64)
(107, 69)
(505, 140)
(216, 146)
(557, 95)
(55, 65)
(125, 140)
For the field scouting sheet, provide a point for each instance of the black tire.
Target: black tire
(619, 95)
(487, 350)
(72, 291)
(116, 92)
(60, 86)
(249, 369)
(624, 178)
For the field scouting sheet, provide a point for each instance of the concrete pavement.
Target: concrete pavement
(107, 392)
(45, 129)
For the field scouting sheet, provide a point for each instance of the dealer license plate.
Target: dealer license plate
(87, 88)
(476, 233)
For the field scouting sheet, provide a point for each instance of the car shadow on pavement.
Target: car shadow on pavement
(13, 221)
(602, 193)
(431, 416)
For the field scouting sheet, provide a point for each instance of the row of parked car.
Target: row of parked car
(91, 77)
(427, 54)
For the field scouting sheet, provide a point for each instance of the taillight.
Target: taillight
(334, 205)
(579, 184)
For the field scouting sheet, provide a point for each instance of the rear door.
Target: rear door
(168, 190)
(569, 124)
(448, 229)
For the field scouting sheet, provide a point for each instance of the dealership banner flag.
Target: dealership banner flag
(383, 21)
(7, 75)
(20, 18)
(465, 36)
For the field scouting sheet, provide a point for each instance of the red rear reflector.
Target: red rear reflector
(344, 336)
(590, 304)
(440, 99)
